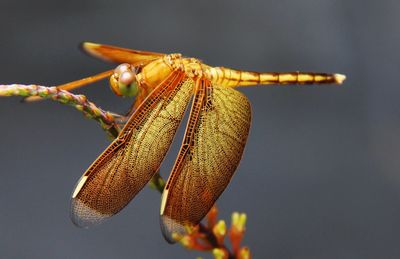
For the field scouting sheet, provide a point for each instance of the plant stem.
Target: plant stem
(108, 121)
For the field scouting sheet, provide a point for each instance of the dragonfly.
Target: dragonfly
(213, 142)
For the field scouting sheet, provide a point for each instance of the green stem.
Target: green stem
(157, 182)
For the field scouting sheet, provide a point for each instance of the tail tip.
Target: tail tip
(339, 78)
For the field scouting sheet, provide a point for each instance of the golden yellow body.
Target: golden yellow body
(154, 72)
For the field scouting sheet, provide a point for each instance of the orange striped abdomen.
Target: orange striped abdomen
(231, 78)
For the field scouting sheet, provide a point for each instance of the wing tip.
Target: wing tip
(91, 49)
(83, 216)
(87, 45)
(171, 229)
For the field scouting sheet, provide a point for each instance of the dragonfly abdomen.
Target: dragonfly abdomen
(231, 78)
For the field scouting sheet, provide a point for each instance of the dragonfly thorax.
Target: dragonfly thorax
(191, 66)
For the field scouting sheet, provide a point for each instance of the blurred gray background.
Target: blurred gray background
(320, 175)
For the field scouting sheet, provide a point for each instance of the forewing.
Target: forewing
(120, 55)
(212, 148)
(125, 167)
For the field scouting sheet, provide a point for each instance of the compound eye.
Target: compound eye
(123, 81)
(122, 68)
(127, 84)
(127, 77)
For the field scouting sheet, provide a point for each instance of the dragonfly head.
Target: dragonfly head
(123, 82)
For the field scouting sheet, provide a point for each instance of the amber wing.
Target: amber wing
(120, 55)
(125, 167)
(215, 137)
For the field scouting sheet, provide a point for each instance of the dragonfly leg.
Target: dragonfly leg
(75, 84)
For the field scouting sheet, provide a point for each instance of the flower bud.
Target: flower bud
(219, 253)
(219, 231)
(244, 253)
(239, 221)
